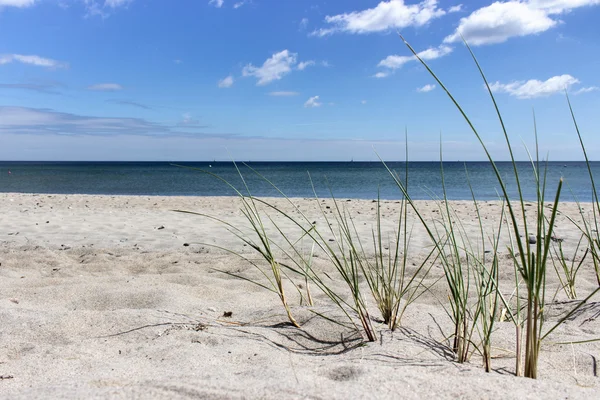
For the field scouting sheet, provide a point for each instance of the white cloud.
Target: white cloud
(274, 68)
(104, 8)
(31, 60)
(239, 4)
(394, 62)
(454, 9)
(380, 75)
(302, 65)
(313, 102)
(535, 88)
(226, 82)
(587, 90)
(188, 121)
(16, 3)
(560, 6)
(303, 23)
(216, 3)
(116, 3)
(105, 87)
(501, 21)
(92, 8)
(392, 14)
(326, 64)
(283, 94)
(426, 88)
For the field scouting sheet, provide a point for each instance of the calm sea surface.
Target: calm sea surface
(345, 179)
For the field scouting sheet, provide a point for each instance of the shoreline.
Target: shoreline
(100, 297)
(233, 196)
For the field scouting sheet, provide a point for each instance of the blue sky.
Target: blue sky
(292, 79)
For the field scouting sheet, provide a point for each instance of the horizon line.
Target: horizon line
(282, 161)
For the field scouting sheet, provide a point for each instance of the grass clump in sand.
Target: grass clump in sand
(262, 244)
(377, 265)
(467, 267)
(567, 271)
(590, 229)
(392, 286)
(530, 240)
(384, 271)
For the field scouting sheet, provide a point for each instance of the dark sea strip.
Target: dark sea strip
(359, 180)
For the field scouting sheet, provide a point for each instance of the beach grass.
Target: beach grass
(262, 243)
(466, 267)
(531, 240)
(567, 271)
(376, 268)
(391, 283)
(589, 226)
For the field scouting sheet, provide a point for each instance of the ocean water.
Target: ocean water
(362, 180)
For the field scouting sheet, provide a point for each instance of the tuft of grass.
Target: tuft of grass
(276, 245)
(380, 268)
(458, 259)
(486, 276)
(385, 273)
(263, 244)
(530, 256)
(590, 229)
(393, 287)
(567, 272)
(466, 267)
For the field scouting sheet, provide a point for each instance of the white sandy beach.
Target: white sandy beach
(119, 297)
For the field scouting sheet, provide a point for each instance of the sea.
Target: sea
(355, 180)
